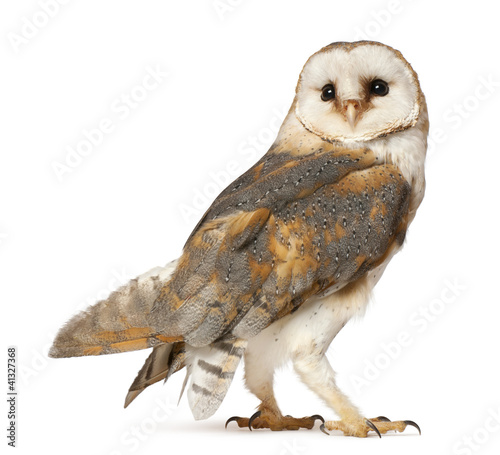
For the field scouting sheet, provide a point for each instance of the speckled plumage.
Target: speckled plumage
(308, 223)
(307, 230)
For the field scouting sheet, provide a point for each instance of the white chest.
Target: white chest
(312, 327)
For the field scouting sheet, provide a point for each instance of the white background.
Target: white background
(428, 348)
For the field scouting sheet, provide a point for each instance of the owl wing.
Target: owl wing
(289, 228)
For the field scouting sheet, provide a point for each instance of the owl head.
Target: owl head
(357, 92)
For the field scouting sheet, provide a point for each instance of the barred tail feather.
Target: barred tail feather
(117, 324)
(154, 369)
(212, 370)
(163, 361)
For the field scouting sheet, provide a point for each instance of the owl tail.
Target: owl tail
(117, 324)
(162, 363)
(210, 371)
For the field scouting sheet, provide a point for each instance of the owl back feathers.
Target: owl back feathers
(291, 227)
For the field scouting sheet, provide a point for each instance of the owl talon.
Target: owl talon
(263, 419)
(361, 428)
(373, 427)
(317, 417)
(413, 424)
(232, 419)
(322, 428)
(255, 416)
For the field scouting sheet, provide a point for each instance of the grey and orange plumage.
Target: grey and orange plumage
(308, 222)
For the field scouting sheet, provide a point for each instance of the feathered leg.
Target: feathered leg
(260, 382)
(316, 372)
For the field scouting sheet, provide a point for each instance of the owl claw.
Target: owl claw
(317, 417)
(382, 419)
(373, 427)
(255, 416)
(413, 424)
(322, 428)
(232, 419)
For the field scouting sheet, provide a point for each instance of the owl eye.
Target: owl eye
(379, 87)
(328, 92)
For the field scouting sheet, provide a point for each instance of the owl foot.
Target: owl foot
(360, 429)
(275, 423)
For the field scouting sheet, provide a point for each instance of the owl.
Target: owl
(287, 254)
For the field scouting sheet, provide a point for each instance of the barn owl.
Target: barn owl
(288, 253)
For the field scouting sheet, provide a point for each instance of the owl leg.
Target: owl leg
(316, 372)
(260, 382)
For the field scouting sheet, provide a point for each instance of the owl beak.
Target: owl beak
(352, 109)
